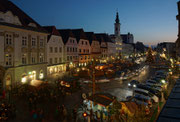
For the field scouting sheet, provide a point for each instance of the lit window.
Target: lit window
(41, 57)
(8, 59)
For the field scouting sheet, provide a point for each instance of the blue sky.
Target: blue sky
(151, 21)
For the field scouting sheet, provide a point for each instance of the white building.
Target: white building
(70, 48)
(23, 46)
(55, 51)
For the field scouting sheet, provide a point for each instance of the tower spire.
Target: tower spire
(117, 17)
(117, 25)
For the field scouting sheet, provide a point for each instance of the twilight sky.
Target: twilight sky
(151, 21)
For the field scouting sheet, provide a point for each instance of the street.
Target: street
(121, 90)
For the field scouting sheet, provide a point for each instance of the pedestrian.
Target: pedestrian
(35, 115)
(64, 113)
(41, 115)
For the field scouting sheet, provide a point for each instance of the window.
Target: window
(24, 59)
(85, 57)
(67, 49)
(51, 49)
(84, 50)
(24, 41)
(60, 60)
(87, 51)
(70, 58)
(80, 50)
(8, 39)
(41, 43)
(82, 42)
(81, 58)
(56, 49)
(88, 57)
(73, 49)
(50, 60)
(67, 58)
(70, 49)
(60, 49)
(8, 59)
(33, 59)
(56, 60)
(86, 43)
(33, 41)
(41, 57)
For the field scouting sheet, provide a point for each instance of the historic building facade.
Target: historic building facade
(55, 51)
(23, 46)
(71, 55)
(83, 46)
(95, 45)
(103, 48)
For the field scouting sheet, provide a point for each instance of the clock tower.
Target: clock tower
(117, 26)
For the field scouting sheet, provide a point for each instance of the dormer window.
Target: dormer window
(32, 24)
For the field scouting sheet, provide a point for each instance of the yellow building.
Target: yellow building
(23, 46)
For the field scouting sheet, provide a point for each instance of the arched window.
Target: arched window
(41, 75)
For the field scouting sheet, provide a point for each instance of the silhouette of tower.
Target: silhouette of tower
(117, 26)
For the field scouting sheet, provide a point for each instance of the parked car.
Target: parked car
(158, 88)
(142, 101)
(146, 94)
(133, 83)
(151, 90)
(153, 82)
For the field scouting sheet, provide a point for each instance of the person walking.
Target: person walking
(64, 113)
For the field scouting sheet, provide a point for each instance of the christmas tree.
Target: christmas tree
(150, 57)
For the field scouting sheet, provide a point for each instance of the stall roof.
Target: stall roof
(102, 98)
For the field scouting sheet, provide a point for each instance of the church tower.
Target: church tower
(117, 26)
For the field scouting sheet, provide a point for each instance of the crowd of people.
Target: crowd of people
(7, 111)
